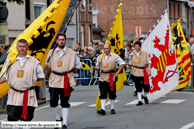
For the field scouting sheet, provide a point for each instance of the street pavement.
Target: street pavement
(175, 111)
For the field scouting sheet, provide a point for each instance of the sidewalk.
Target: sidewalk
(39, 103)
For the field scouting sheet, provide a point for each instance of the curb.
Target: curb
(187, 90)
(39, 103)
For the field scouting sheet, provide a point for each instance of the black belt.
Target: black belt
(21, 91)
(61, 74)
(108, 72)
(139, 67)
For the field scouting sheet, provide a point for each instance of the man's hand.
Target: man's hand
(116, 74)
(97, 68)
(2, 80)
(126, 58)
(47, 67)
(149, 73)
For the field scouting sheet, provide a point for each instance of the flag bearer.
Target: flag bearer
(108, 65)
(22, 76)
(63, 64)
(139, 60)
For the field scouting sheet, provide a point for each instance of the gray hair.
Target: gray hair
(22, 41)
(101, 43)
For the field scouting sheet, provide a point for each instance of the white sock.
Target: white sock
(56, 111)
(134, 86)
(65, 114)
(112, 102)
(145, 94)
(139, 95)
(26, 127)
(103, 102)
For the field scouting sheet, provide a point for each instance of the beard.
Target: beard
(61, 46)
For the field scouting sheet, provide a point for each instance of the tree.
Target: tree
(20, 2)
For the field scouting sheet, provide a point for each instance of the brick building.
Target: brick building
(142, 13)
(183, 9)
(85, 23)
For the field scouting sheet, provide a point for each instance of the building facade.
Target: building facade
(143, 13)
(183, 9)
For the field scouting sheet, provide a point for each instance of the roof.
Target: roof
(97, 29)
(28, 22)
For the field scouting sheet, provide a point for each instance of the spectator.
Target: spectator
(85, 55)
(192, 48)
(100, 46)
(78, 49)
(96, 46)
(141, 40)
(125, 49)
(91, 44)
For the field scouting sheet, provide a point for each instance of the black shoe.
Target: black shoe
(146, 100)
(64, 127)
(72, 89)
(101, 111)
(139, 103)
(59, 120)
(135, 93)
(113, 111)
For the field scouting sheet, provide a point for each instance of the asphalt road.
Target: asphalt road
(175, 111)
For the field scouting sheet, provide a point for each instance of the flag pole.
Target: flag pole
(155, 25)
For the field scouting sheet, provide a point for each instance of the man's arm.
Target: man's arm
(120, 68)
(78, 64)
(39, 73)
(121, 63)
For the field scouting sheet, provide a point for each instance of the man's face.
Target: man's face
(128, 48)
(77, 46)
(96, 46)
(124, 45)
(90, 44)
(61, 41)
(99, 45)
(2, 50)
(22, 48)
(106, 49)
(137, 48)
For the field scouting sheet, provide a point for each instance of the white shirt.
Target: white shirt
(119, 61)
(39, 70)
(77, 61)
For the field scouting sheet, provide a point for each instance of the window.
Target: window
(170, 10)
(179, 10)
(90, 5)
(38, 9)
(174, 10)
(83, 5)
(82, 36)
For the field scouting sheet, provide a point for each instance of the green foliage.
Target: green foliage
(20, 2)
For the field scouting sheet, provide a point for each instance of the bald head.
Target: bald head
(192, 40)
(107, 46)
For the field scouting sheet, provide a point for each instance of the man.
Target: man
(91, 44)
(100, 47)
(22, 76)
(108, 75)
(63, 64)
(125, 49)
(192, 48)
(78, 49)
(96, 46)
